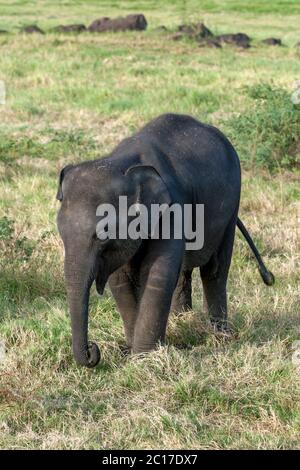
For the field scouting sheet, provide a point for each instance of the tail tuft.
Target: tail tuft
(267, 276)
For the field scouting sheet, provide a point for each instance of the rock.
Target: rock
(70, 28)
(195, 29)
(32, 29)
(177, 36)
(185, 28)
(272, 41)
(210, 42)
(238, 39)
(130, 22)
(200, 33)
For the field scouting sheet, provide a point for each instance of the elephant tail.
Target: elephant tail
(266, 275)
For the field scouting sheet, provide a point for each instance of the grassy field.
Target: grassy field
(74, 97)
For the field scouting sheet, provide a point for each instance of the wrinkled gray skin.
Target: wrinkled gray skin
(172, 159)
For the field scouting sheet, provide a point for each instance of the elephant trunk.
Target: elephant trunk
(79, 280)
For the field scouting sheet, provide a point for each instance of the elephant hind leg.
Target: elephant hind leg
(214, 279)
(182, 296)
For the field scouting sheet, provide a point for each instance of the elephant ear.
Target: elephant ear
(64, 171)
(150, 187)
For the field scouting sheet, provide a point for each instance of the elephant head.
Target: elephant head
(82, 188)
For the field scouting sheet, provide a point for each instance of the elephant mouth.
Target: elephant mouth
(101, 280)
(99, 273)
(100, 288)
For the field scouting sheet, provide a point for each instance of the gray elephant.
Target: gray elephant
(174, 159)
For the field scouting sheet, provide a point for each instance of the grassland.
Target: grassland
(73, 97)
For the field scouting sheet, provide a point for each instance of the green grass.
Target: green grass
(74, 97)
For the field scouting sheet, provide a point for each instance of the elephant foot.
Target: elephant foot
(222, 330)
(144, 349)
(89, 356)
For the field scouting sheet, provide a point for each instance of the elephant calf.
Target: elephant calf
(174, 159)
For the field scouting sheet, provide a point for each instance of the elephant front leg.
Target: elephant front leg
(159, 276)
(182, 297)
(125, 295)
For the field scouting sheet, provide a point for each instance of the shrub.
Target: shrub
(269, 133)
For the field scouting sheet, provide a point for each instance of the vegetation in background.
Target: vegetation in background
(268, 134)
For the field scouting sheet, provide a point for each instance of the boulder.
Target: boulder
(131, 22)
(70, 28)
(31, 29)
(272, 41)
(238, 39)
(195, 29)
(177, 36)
